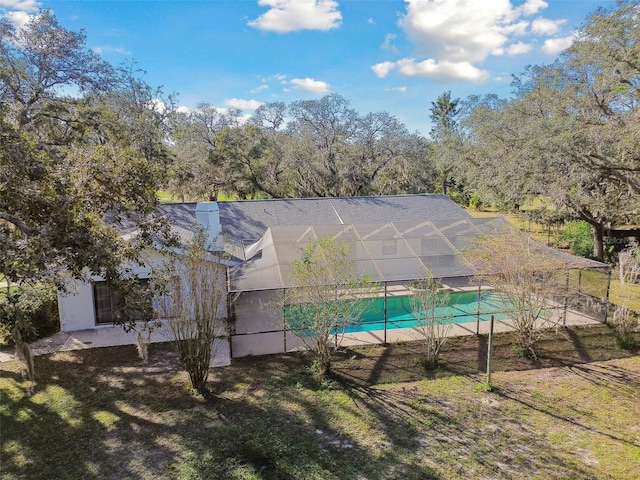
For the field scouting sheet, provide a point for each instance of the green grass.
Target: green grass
(166, 197)
(627, 294)
(101, 414)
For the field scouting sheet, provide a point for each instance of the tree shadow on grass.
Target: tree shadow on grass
(512, 395)
(101, 414)
(470, 438)
(619, 379)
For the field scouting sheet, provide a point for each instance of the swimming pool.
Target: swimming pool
(463, 307)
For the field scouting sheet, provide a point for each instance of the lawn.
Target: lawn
(100, 413)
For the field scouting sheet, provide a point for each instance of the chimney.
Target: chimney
(208, 215)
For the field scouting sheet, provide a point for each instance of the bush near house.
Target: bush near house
(40, 306)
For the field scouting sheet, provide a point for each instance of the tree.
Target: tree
(570, 132)
(197, 171)
(334, 151)
(69, 162)
(433, 313)
(444, 124)
(253, 162)
(326, 125)
(269, 116)
(191, 295)
(603, 91)
(324, 149)
(529, 146)
(443, 113)
(328, 297)
(528, 282)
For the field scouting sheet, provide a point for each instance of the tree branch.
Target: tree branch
(16, 222)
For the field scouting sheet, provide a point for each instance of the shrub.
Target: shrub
(578, 237)
(39, 307)
(475, 202)
(625, 323)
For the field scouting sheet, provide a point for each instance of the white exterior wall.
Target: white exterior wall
(76, 307)
(77, 315)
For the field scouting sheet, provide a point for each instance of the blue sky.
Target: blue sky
(383, 55)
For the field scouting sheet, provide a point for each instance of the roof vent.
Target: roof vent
(208, 215)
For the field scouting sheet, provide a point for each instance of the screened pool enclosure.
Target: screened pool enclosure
(394, 256)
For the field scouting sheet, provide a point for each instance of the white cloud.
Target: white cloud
(396, 89)
(544, 26)
(21, 5)
(517, 28)
(259, 89)
(157, 105)
(430, 68)
(531, 7)
(242, 104)
(388, 43)
(108, 49)
(443, 70)
(279, 77)
(291, 15)
(519, 48)
(554, 46)
(18, 19)
(183, 109)
(18, 11)
(463, 30)
(310, 85)
(382, 69)
(453, 37)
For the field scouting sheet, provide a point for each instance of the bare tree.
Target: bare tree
(527, 278)
(430, 305)
(629, 264)
(192, 298)
(329, 297)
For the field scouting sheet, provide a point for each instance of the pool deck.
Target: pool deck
(103, 336)
(393, 335)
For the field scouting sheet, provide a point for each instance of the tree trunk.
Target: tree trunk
(598, 241)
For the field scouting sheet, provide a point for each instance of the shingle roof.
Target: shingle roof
(247, 220)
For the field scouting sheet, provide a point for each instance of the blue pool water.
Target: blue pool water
(463, 307)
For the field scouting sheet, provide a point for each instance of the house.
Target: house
(395, 240)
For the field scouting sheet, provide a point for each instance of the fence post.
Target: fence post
(284, 321)
(606, 301)
(490, 352)
(566, 300)
(385, 313)
(478, 309)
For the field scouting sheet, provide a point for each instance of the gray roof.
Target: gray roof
(248, 220)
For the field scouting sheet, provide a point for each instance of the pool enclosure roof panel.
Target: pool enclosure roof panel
(394, 251)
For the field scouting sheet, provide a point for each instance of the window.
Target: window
(108, 301)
